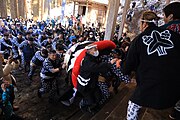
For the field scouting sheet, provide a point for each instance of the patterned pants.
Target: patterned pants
(105, 91)
(48, 85)
(132, 111)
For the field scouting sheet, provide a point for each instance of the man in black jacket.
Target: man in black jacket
(172, 22)
(154, 55)
(88, 78)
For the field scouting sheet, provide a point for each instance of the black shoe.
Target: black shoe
(39, 94)
(175, 115)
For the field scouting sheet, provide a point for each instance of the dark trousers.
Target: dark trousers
(91, 97)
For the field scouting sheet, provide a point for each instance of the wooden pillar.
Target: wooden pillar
(29, 9)
(46, 9)
(113, 7)
(35, 9)
(126, 7)
(59, 3)
(55, 3)
(74, 4)
(52, 4)
(24, 9)
(3, 8)
(49, 7)
(13, 8)
(42, 9)
(86, 13)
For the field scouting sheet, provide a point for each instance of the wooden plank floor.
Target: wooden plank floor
(116, 108)
(109, 107)
(152, 114)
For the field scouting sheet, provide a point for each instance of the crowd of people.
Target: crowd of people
(30, 45)
(51, 47)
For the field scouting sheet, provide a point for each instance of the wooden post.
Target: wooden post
(74, 8)
(59, 3)
(55, 3)
(35, 9)
(49, 7)
(113, 7)
(42, 9)
(29, 9)
(25, 9)
(13, 5)
(3, 8)
(86, 13)
(46, 9)
(126, 7)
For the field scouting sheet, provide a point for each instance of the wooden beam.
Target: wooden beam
(113, 7)
(126, 7)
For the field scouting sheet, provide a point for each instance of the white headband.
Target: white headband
(90, 46)
(150, 21)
